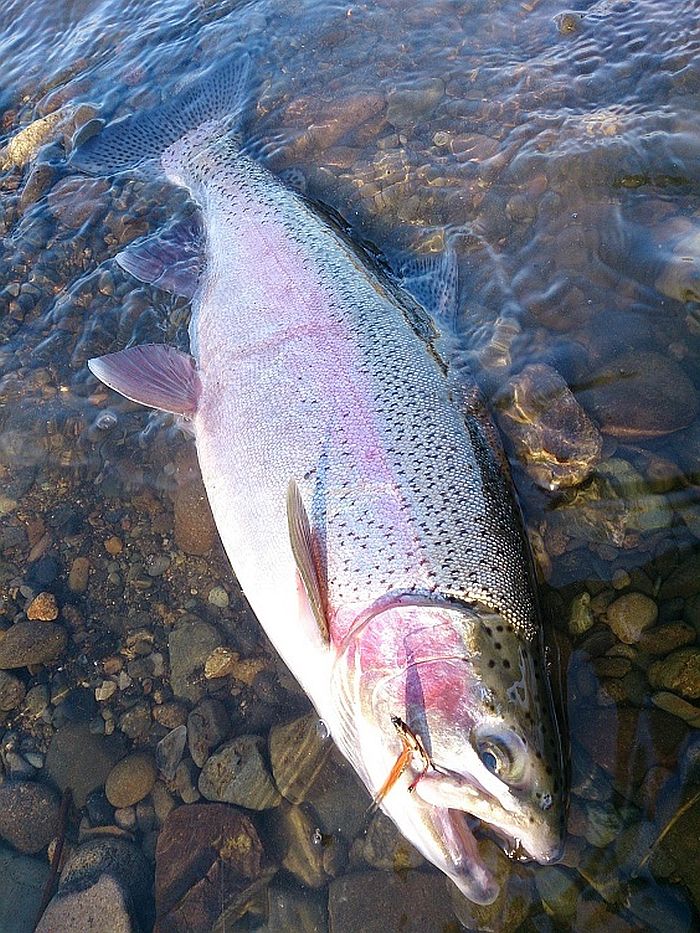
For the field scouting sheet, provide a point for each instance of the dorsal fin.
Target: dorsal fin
(301, 540)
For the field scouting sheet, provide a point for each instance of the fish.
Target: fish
(356, 481)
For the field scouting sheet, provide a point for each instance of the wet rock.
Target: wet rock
(640, 394)
(593, 913)
(23, 881)
(207, 726)
(553, 437)
(31, 642)
(190, 643)
(377, 901)
(220, 663)
(11, 691)
(209, 865)
(298, 751)
(79, 760)
(679, 672)
(99, 810)
(666, 638)
(684, 581)
(295, 835)
(101, 906)
(169, 751)
(558, 891)
(105, 885)
(290, 908)
(74, 200)
(339, 799)
(630, 615)
(130, 780)
(384, 847)
(28, 814)
(78, 575)
(136, 722)
(194, 528)
(43, 608)
(24, 145)
(171, 714)
(405, 106)
(580, 614)
(627, 742)
(36, 701)
(678, 707)
(163, 802)
(675, 853)
(218, 597)
(186, 777)
(237, 773)
(603, 823)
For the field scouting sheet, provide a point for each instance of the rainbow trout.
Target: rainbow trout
(357, 486)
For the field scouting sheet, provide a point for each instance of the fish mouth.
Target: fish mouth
(467, 868)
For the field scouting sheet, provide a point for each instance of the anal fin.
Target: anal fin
(301, 540)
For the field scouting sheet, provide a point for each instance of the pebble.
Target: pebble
(36, 701)
(105, 691)
(114, 546)
(11, 691)
(100, 906)
(295, 836)
(28, 814)
(684, 580)
(136, 722)
(602, 824)
(32, 642)
(630, 615)
(209, 859)
(666, 638)
(163, 802)
(679, 672)
(43, 608)
(24, 145)
(78, 575)
(677, 707)
(552, 435)
(99, 809)
(191, 642)
(169, 751)
(218, 597)
(130, 780)
(170, 714)
(207, 726)
(185, 781)
(298, 751)
(580, 614)
(75, 199)
(84, 771)
(558, 892)
(236, 773)
(220, 663)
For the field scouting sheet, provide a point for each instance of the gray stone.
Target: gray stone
(407, 105)
(684, 581)
(298, 751)
(81, 760)
(237, 773)
(190, 643)
(169, 751)
(23, 881)
(291, 909)
(603, 823)
(378, 901)
(185, 782)
(207, 726)
(676, 706)
(580, 614)
(558, 892)
(28, 814)
(31, 642)
(11, 691)
(136, 722)
(102, 906)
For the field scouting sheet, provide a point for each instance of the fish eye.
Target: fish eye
(504, 755)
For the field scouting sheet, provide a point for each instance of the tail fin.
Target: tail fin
(212, 103)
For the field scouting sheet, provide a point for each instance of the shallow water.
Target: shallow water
(557, 150)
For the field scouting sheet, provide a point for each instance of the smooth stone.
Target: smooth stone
(580, 614)
(378, 901)
(237, 773)
(679, 672)
(406, 105)
(25, 144)
(603, 823)
(298, 750)
(185, 781)
(135, 723)
(218, 597)
(207, 726)
(640, 394)
(292, 909)
(75, 199)
(340, 800)
(294, 834)
(384, 847)
(23, 882)
(209, 865)
(630, 615)
(28, 814)
(553, 437)
(130, 780)
(678, 707)
(664, 639)
(78, 575)
(558, 891)
(102, 906)
(684, 580)
(79, 760)
(190, 643)
(32, 642)
(169, 751)
(11, 691)
(171, 714)
(677, 850)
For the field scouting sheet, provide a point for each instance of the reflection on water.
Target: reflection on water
(557, 151)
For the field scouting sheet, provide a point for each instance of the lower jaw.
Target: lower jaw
(467, 868)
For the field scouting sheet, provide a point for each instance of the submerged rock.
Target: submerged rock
(298, 751)
(130, 780)
(554, 438)
(80, 760)
(31, 642)
(190, 643)
(296, 836)
(631, 615)
(23, 882)
(28, 814)
(237, 773)
(679, 672)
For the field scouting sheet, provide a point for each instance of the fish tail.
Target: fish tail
(209, 107)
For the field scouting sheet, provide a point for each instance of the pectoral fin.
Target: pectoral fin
(171, 259)
(301, 539)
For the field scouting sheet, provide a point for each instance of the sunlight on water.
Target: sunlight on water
(556, 149)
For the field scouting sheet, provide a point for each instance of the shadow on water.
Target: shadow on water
(556, 150)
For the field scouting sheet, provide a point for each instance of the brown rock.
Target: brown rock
(294, 835)
(74, 200)
(130, 780)
(665, 638)
(553, 436)
(640, 394)
(80, 760)
(194, 528)
(78, 576)
(43, 608)
(11, 691)
(679, 672)
(209, 864)
(32, 642)
(630, 615)
(28, 814)
(297, 753)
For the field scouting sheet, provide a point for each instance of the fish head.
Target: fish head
(475, 693)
